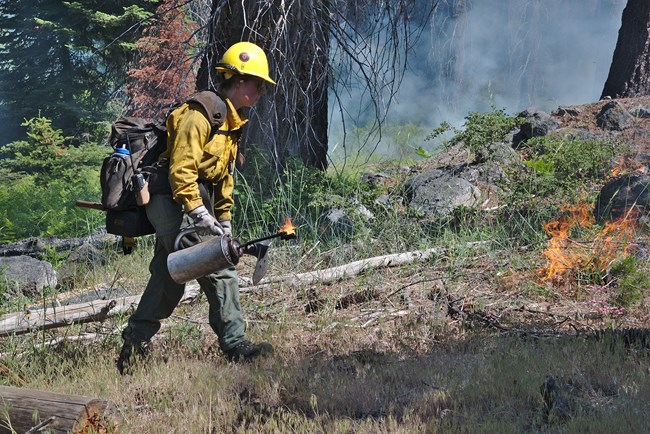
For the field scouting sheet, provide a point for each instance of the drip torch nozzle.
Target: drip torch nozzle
(287, 235)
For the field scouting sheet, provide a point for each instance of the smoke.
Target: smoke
(515, 54)
(511, 54)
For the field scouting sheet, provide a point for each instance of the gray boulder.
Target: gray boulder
(618, 197)
(339, 218)
(76, 266)
(641, 112)
(578, 134)
(24, 275)
(614, 117)
(437, 192)
(537, 123)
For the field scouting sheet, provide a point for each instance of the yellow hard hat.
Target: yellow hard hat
(245, 58)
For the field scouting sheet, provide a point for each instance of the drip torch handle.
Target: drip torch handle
(192, 230)
(181, 234)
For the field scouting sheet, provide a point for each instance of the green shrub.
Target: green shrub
(480, 131)
(631, 282)
(558, 169)
(44, 178)
(570, 159)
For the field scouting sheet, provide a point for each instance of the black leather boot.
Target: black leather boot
(130, 355)
(246, 351)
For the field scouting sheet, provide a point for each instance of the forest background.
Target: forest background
(390, 76)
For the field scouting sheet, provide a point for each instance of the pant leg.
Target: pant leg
(161, 294)
(225, 316)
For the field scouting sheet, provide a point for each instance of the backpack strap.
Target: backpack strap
(216, 110)
(213, 105)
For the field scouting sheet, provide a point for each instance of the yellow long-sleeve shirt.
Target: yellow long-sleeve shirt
(194, 156)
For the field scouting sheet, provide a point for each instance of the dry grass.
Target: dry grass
(461, 344)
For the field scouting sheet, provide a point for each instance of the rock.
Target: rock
(76, 266)
(537, 124)
(336, 223)
(619, 196)
(87, 255)
(340, 217)
(36, 247)
(578, 134)
(437, 192)
(614, 117)
(24, 275)
(641, 112)
(375, 179)
(388, 202)
(566, 111)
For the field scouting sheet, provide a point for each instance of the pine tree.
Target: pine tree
(313, 46)
(163, 73)
(63, 59)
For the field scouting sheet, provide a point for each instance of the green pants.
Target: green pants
(162, 294)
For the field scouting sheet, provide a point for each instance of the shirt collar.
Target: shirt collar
(235, 119)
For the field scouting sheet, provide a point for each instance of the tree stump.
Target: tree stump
(30, 411)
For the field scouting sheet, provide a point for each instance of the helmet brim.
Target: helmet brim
(229, 69)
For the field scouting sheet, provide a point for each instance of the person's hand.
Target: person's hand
(226, 226)
(204, 222)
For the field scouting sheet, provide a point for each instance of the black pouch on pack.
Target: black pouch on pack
(129, 223)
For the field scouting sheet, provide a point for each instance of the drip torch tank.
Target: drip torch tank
(207, 257)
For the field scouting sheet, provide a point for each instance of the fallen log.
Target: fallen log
(20, 323)
(30, 411)
(352, 269)
(60, 316)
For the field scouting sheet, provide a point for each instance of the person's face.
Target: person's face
(247, 91)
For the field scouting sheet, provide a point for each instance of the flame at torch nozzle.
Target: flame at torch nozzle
(286, 232)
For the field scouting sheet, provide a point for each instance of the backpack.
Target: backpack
(137, 145)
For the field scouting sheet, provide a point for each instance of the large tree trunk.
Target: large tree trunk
(628, 74)
(291, 119)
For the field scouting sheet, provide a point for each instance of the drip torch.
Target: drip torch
(221, 252)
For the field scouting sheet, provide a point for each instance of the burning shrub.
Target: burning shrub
(567, 258)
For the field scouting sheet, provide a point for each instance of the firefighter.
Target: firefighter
(199, 164)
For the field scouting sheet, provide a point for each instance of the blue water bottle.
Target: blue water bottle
(122, 151)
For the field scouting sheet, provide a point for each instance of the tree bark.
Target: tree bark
(291, 119)
(628, 74)
(31, 411)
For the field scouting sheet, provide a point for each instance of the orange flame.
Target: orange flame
(288, 228)
(626, 165)
(615, 237)
(564, 255)
(560, 255)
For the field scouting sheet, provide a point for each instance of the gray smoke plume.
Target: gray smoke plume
(511, 54)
